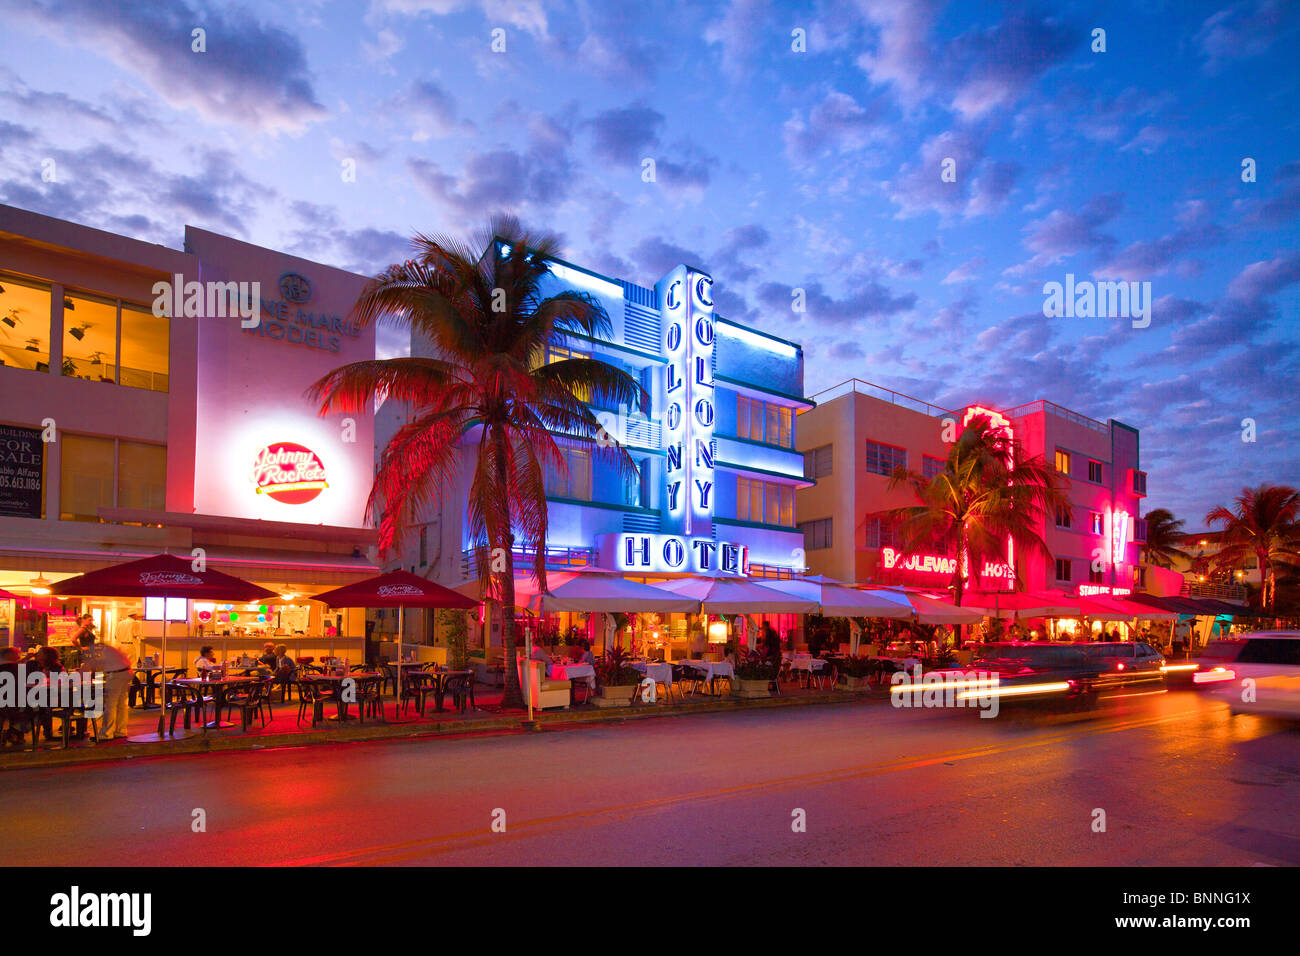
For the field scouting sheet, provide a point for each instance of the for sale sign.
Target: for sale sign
(22, 462)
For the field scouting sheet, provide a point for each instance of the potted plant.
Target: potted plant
(754, 675)
(856, 672)
(616, 681)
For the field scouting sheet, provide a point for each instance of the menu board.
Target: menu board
(59, 628)
(22, 458)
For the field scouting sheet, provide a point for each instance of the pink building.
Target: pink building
(124, 433)
(859, 433)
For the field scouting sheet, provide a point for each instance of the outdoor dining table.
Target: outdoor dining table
(711, 669)
(220, 688)
(574, 672)
(151, 683)
(340, 705)
(658, 672)
(439, 679)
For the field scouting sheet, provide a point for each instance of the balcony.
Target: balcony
(1232, 593)
(557, 559)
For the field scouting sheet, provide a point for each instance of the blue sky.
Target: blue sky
(775, 169)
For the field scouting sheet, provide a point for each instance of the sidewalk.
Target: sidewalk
(283, 729)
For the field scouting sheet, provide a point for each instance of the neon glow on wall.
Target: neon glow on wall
(675, 553)
(1118, 536)
(935, 564)
(1002, 424)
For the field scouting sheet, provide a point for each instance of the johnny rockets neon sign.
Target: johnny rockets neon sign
(688, 390)
(288, 472)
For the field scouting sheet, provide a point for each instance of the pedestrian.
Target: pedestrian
(771, 643)
(85, 625)
(97, 658)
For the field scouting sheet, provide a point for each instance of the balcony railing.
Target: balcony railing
(1043, 405)
(1234, 593)
(556, 558)
(877, 391)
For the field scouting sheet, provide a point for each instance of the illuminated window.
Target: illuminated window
(85, 477)
(24, 324)
(576, 484)
(559, 353)
(884, 459)
(817, 534)
(636, 487)
(764, 422)
(818, 463)
(1098, 522)
(90, 338)
(145, 341)
(764, 502)
(1094, 471)
(141, 476)
(931, 466)
(1063, 461)
(1063, 569)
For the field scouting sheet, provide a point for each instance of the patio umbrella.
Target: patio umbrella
(839, 600)
(609, 593)
(728, 596)
(399, 589)
(1025, 604)
(935, 611)
(162, 576)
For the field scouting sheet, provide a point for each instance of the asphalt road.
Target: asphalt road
(1180, 781)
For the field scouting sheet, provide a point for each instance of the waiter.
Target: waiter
(126, 636)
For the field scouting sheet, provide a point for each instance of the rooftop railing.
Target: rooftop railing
(1043, 405)
(856, 385)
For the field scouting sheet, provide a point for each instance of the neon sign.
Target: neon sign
(688, 342)
(288, 472)
(1118, 536)
(936, 564)
(1002, 424)
(1088, 590)
(670, 552)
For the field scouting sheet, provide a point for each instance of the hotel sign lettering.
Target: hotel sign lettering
(937, 564)
(670, 552)
(690, 412)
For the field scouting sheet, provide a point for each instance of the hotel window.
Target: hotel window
(883, 459)
(635, 485)
(1063, 461)
(818, 463)
(880, 533)
(1094, 471)
(1098, 522)
(90, 338)
(764, 502)
(1139, 577)
(764, 422)
(1139, 529)
(424, 545)
(1063, 569)
(1095, 576)
(559, 353)
(931, 466)
(24, 324)
(1063, 517)
(145, 341)
(576, 483)
(817, 534)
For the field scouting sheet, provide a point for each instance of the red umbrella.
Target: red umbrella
(163, 575)
(399, 589)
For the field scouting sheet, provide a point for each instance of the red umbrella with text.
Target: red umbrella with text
(399, 589)
(162, 576)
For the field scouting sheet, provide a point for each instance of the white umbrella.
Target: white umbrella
(838, 600)
(933, 611)
(612, 594)
(727, 596)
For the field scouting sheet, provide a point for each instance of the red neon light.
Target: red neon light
(1003, 424)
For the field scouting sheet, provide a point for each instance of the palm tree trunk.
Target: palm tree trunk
(959, 583)
(512, 695)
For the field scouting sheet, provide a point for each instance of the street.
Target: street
(1180, 782)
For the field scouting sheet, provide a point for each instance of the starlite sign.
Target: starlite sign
(686, 298)
(1118, 536)
(675, 553)
(1091, 590)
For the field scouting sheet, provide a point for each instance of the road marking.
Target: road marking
(389, 854)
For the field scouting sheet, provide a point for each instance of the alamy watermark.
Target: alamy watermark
(978, 689)
(211, 299)
(79, 690)
(1087, 300)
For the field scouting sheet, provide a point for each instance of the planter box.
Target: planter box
(751, 688)
(619, 695)
(854, 683)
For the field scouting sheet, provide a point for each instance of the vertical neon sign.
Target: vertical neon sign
(1118, 537)
(1000, 423)
(690, 412)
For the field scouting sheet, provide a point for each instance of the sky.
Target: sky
(799, 152)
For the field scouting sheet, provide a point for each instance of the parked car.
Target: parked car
(1271, 659)
(1136, 662)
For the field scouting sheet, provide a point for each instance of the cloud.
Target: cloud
(427, 109)
(253, 74)
(737, 32)
(1241, 31)
(869, 300)
(836, 124)
(656, 256)
(625, 135)
(980, 188)
(968, 271)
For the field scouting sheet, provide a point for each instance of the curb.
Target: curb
(27, 760)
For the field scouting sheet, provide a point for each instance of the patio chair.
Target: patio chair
(686, 678)
(370, 697)
(460, 690)
(252, 702)
(310, 695)
(187, 702)
(17, 720)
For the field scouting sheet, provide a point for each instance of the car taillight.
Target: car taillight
(1119, 666)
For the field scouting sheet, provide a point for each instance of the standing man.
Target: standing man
(113, 664)
(126, 636)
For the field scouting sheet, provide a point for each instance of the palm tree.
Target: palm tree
(1263, 525)
(489, 393)
(986, 493)
(1164, 534)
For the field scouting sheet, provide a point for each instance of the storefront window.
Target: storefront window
(145, 343)
(141, 476)
(90, 338)
(24, 324)
(86, 477)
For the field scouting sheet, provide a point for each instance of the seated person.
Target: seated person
(268, 654)
(48, 660)
(206, 661)
(587, 657)
(540, 654)
(285, 667)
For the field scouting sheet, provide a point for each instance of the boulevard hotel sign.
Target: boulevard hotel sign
(688, 545)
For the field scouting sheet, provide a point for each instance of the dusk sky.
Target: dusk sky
(775, 170)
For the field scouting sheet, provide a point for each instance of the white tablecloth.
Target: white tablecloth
(806, 662)
(574, 672)
(662, 673)
(712, 669)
